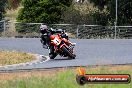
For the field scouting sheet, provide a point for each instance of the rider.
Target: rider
(45, 38)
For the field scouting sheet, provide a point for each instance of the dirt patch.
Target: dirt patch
(44, 73)
(13, 57)
(112, 68)
(125, 68)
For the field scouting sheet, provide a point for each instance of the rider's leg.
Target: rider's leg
(43, 39)
(52, 54)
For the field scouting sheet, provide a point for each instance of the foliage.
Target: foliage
(124, 11)
(73, 16)
(13, 4)
(8, 4)
(27, 28)
(100, 3)
(2, 8)
(86, 13)
(42, 11)
(2, 12)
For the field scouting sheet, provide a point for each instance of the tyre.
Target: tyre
(68, 53)
(52, 56)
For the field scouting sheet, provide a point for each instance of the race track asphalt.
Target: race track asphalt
(88, 51)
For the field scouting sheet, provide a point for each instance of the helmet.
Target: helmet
(43, 28)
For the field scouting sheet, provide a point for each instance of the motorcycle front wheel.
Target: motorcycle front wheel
(68, 53)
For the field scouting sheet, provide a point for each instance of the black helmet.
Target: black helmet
(43, 28)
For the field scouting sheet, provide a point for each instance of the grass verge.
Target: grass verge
(13, 57)
(61, 78)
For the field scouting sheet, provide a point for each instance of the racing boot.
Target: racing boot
(52, 55)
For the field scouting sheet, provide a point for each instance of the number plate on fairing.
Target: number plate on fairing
(56, 41)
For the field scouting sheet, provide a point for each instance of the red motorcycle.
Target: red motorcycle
(62, 46)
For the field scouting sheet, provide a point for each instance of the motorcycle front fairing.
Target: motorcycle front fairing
(58, 42)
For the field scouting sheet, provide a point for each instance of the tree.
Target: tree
(124, 11)
(44, 11)
(73, 16)
(2, 8)
(8, 4)
(13, 4)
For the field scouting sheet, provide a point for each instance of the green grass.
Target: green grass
(64, 79)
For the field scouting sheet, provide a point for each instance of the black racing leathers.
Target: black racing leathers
(45, 40)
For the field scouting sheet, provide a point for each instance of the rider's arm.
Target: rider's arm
(43, 40)
(58, 31)
(53, 31)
